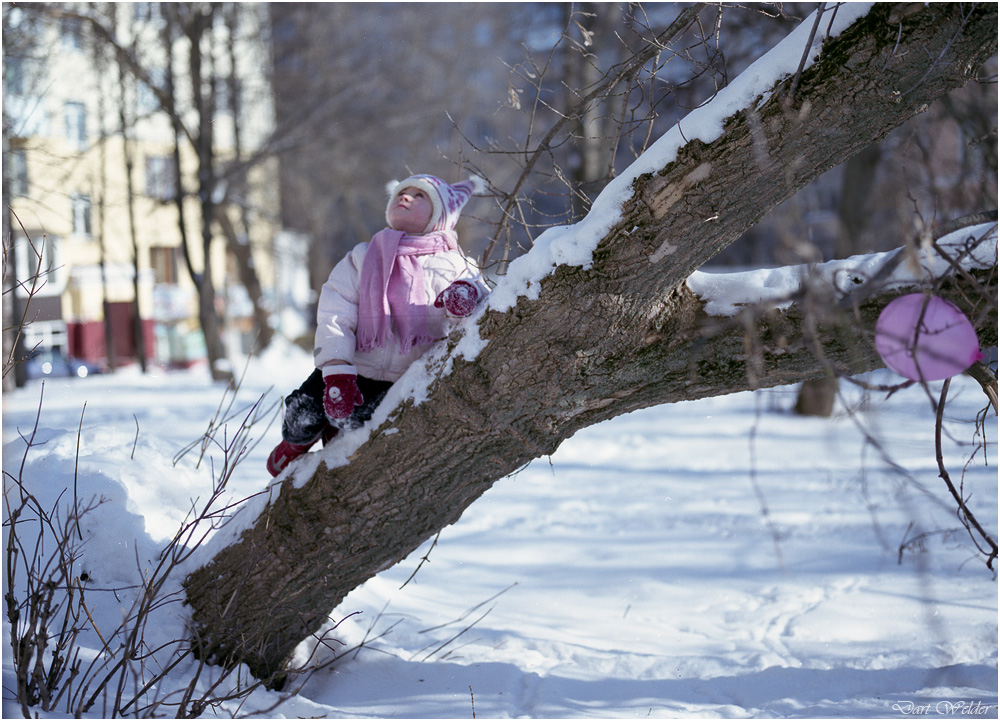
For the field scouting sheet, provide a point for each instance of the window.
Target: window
(38, 257)
(163, 261)
(72, 33)
(160, 178)
(76, 124)
(18, 172)
(14, 75)
(46, 334)
(223, 95)
(81, 215)
(146, 100)
(147, 12)
(24, 109)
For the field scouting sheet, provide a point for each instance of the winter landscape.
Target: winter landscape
(721, 558)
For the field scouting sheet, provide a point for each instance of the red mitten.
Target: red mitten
(458, 299)
(341, 395)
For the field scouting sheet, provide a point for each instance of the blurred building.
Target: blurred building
(89, 178)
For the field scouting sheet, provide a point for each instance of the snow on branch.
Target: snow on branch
(725, 294)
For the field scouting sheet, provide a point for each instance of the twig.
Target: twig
(987, 380)
(426, 557)
(11, 361)
(469, 612)
(92, 623)
(458, 635)
(76, 465)
(136, 441)
(969, 517)
(916, 540)
(611, 79)
(790, 96)
(47, 610)
(759, 492)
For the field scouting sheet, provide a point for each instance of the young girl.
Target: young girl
(382, 307)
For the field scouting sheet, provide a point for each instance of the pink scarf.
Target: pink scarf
(393, 289)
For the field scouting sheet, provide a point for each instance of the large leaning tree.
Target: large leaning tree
(598, 320)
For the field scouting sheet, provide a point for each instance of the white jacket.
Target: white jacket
(337, 315)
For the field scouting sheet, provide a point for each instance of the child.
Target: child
(382, 307)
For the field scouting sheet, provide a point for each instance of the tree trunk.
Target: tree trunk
(203, 91)
(589, 157)
(100, 62)
(239, 243)
(620, 335)
(130, 200)
(14, 353)
(817, 395)
(239, 247)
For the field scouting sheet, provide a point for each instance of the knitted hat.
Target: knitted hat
(447, 200)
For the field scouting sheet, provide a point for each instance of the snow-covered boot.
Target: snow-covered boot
(284, 453)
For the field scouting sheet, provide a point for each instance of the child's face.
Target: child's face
(411, 211)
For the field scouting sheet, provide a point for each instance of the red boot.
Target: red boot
(283, 454)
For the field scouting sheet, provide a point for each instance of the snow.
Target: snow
(725, 294)
(718, 558)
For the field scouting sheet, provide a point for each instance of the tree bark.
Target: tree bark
(623, 334)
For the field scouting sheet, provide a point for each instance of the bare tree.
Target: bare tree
(20, 45)
(591, 341)
(218, 182)
(622, 86)
(237, 233)
(126, 120)
(362, 117)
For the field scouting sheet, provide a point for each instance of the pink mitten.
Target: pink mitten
(458, 299)
(341, 395)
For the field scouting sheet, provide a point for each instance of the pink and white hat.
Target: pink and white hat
(447, 200)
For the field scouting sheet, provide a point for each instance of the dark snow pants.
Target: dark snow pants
(305, 420)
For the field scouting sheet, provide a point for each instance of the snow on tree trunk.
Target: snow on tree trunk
(604, 332)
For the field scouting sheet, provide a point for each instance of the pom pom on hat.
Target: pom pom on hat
(447, 200)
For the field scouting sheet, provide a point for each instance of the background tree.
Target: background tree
(365, 106)
(237, 230)
(126, 122)
(185, 73)
(19, 46)
(588, 341)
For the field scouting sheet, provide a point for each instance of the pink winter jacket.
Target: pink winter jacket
(337, 315)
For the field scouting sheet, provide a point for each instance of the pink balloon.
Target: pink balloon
(944, 345)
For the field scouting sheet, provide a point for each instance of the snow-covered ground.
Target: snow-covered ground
(719, 558)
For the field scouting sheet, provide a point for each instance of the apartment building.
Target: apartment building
(90, 168)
